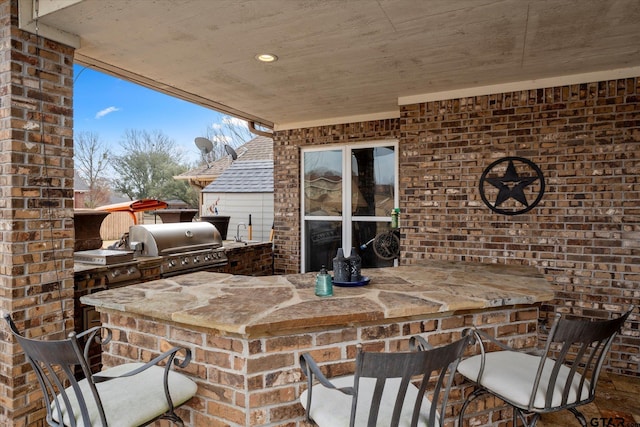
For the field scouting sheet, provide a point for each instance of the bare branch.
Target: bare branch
(91, 158)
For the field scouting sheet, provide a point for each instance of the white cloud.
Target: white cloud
(100, 114)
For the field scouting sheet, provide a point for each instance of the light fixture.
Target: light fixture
(266, 57)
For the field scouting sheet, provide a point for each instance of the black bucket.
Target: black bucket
(220, 222)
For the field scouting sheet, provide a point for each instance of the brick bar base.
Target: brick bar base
(257, 382)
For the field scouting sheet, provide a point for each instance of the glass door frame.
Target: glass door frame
(347, 218)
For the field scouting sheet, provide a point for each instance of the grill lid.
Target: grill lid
(166, 239)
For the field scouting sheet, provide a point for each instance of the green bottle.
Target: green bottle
(395, 213)
(324, 285)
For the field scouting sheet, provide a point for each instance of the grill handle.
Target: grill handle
(188, 248)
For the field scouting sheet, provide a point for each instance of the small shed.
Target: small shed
(243, 191)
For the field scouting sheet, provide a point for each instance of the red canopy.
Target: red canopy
(134, 206)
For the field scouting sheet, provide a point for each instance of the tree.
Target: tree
(91, 158)
(230, 131)
(147, 166)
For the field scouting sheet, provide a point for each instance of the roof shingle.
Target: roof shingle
(249, 176)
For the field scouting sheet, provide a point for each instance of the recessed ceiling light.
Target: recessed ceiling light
(266, 57)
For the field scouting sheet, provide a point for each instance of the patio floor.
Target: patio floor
(617, 404)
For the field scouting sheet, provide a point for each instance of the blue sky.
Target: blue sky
(108, 106)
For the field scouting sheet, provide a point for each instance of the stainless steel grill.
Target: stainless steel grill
(117, 267)
(183, 246)
(102, 256)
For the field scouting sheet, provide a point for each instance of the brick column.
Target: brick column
(36, 204)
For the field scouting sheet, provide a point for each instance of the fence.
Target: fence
(118, 223)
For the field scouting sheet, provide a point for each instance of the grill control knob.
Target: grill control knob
(196, 259)
(185, 261)
(172, 263)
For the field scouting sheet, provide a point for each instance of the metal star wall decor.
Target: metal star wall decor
(509, 192)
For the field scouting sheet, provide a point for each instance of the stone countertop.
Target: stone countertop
(275, 305)
(232, 244)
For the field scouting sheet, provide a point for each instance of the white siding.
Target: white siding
(239, 206)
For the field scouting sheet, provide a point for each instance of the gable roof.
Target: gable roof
(258, 148)
(249, 176)
(212, 170)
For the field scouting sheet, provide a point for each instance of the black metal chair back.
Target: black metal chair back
(127, 395)
(55, 363)
(432, 369)
(564, 375)
(394, 380)
(583, 345)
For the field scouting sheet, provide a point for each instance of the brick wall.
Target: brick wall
(36, 203)
(257, 381)
(251, 260)
(585, 233)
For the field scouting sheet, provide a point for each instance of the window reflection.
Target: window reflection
(373, 182)
(363, 232)
(323, 238)
(323, 183)
(334, 219)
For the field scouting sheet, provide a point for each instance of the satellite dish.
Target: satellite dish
(230, 151)
(205, 146)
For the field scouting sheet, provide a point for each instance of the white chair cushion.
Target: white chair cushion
(131, 401)
(510, 375)
(332, 408)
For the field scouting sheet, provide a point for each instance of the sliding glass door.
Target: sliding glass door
(348, 194)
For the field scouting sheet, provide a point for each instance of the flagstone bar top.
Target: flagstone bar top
(275, 305)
